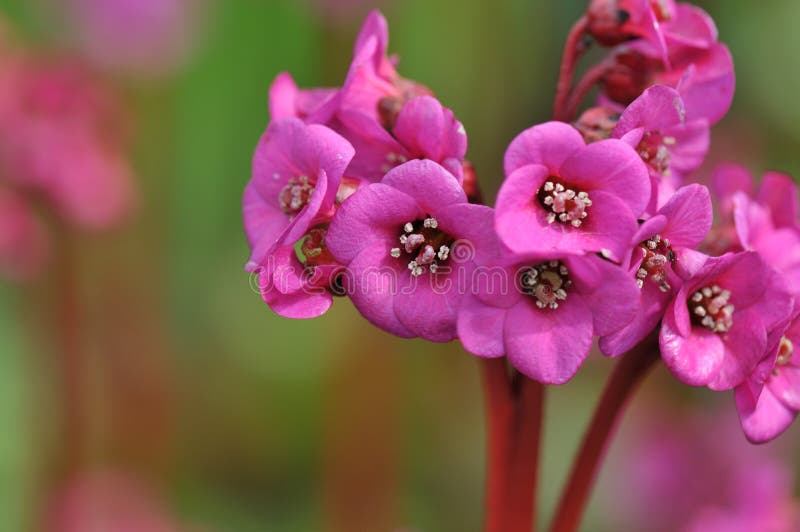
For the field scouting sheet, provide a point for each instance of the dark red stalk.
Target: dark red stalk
(589, 80)
(623, 381)
(72, 365)
(514, 406)
(573, 49)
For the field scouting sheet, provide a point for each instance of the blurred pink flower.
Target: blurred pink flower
(106, 502)
(138, 36)
(24, 243)
(613, 22)
(696, 473)
(59, 140)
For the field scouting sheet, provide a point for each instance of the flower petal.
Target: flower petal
(763, 416)
(689, 216)
(548, 144)
(695, 359)
(428, 183)
(480, 328)
(549, 345)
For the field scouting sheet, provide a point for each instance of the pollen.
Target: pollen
(710, 307)
(547, 283)
(564, 204)
(654, 149)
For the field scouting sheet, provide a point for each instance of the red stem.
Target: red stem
(72, 368)
(589, 80)
(573, 50)
(626, 375)
(514, 418)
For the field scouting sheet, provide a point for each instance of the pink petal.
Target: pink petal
(427, 305)
(763, 417)
(779, 193)
(548, 144)
(480, 328)
(689, 216)
(263, 224)
(610, 226)
(373, 280)
(653, 303)
(613, 167)
(745, 347)
(728, 179)
(657, 108)
(694, 360)
(374, 214)
(520, 221)
(300, 302)
(549, 345)
(609, 292)
(473, 225)
(786, 386)
(428, 183)
(429, 130)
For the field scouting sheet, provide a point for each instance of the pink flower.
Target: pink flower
(107, 501)
(671, 145)
(768, 401)
(410, 243)
(387, 118)
(692, 471)
(659, 245)
(297, 174)
(542, 311)
(721, 322)
(699, 66)
(141, 36)
(560, 193)
(613, 22)
(60, 138)
(24, 243)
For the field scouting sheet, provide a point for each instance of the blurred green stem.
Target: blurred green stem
(620, 387)
(514, 407)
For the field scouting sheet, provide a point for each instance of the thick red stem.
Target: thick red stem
(514, 418)
(573, 49)
(624, 379)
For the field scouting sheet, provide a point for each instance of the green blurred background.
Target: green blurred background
(244, 421)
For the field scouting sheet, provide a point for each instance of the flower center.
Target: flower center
(564, 204)
(546, 282)
(710, 307)
(656, 255)
(424, 245)
(389, 108)
(654, 150)
(295, 195)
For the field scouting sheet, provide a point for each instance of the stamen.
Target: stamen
(710, 307)
(657, 254)
(564, 204)
(424, 244)
(654, 150)
(547, 283)
(295, 195)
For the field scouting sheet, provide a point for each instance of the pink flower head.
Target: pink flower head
(762, 218)
(659, 245)
(725, 318)
(410, 243)
(768, 401)
(297, 173)
(671, 146)
(387, 118)
(561, 193)
(141, 36)
(59, 138)
(24, 243)
(108, 501)
(613, 22)
(699, 66)
(542, 311)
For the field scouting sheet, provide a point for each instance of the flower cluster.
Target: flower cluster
(61, 149)
(597, 233)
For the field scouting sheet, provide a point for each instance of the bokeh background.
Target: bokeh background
(217, 415)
